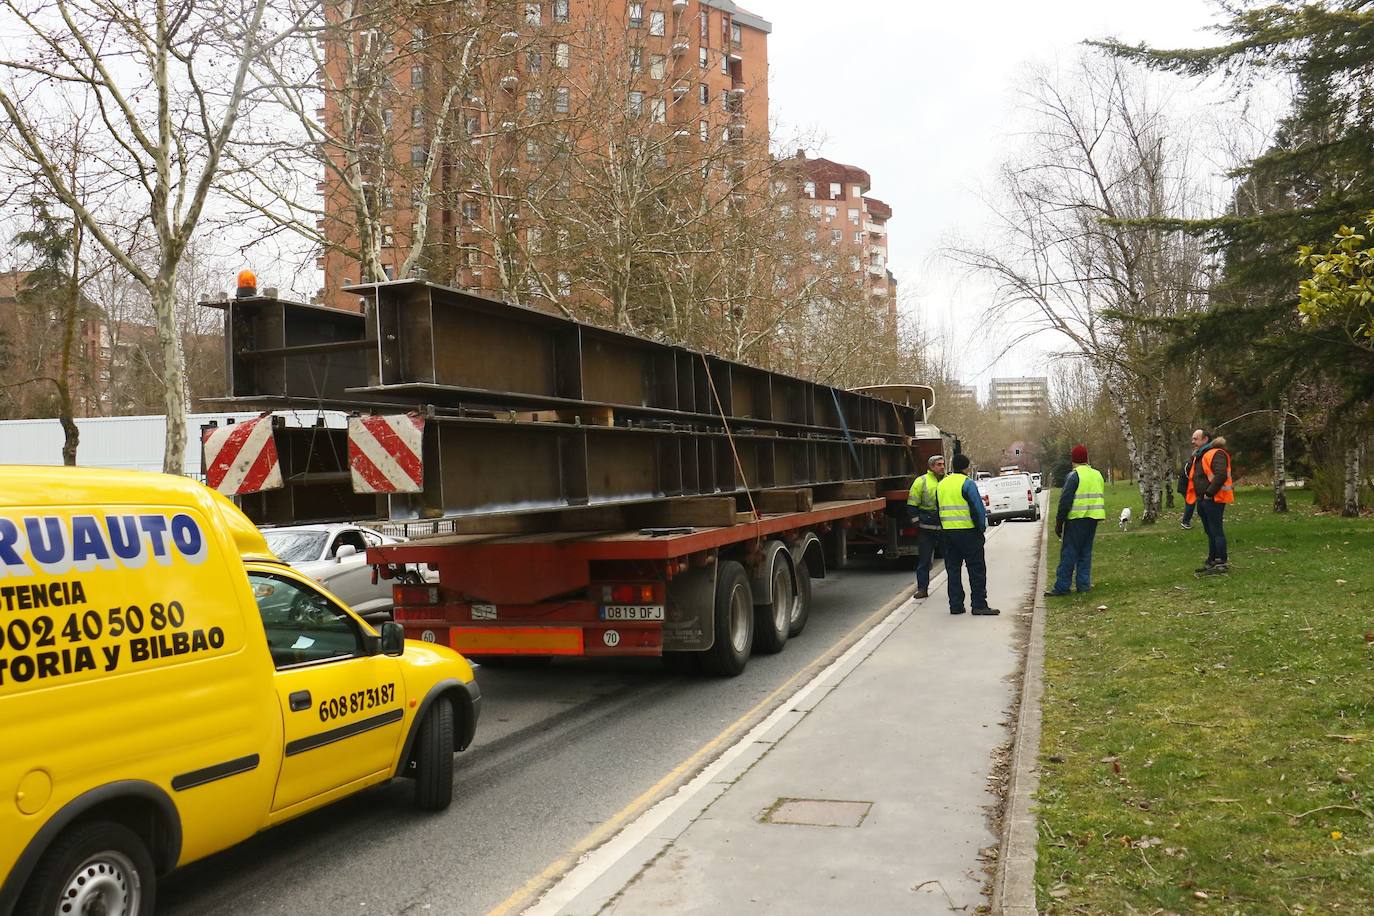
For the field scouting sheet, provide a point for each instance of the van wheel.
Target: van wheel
(434, 758)
(99, 867)
(734, 619)
(773, 622)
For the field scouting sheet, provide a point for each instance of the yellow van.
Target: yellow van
(168, 688)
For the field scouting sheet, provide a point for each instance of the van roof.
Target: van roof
(23, 485)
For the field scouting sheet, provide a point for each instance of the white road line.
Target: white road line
(602, 859)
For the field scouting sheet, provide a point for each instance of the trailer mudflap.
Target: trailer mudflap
(689, 615)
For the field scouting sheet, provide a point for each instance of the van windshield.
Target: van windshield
(296, 546)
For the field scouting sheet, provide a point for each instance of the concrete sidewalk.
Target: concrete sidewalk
(870, 791)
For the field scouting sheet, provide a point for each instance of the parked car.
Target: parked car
(336, 557)
(1009, 496)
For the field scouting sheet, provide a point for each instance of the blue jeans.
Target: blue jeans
(1188, 512)
(1212, 522)
(1076, 553)
(965, 546)
(925, 556)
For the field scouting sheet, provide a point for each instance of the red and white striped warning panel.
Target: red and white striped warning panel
(242, 457)
(384, 453)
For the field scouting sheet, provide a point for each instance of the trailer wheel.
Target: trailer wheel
(734, 619)
(434, 758)
(773, 622)
(801, 610)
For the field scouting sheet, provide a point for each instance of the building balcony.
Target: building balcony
(680, 90)
(681, 46)
(679, 5)
(510, 81)
(877, 268)
(875, 229)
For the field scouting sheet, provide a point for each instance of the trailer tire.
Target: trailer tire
(434, 758)
(734, 622)
(802, 611)
(773, 621)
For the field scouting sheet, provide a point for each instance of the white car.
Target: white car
(336, 557)
(1009, 496)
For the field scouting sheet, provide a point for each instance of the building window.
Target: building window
(561, 100)
(704, 94)
(474, 124)
(810, 189)
(636, 103)
(705, 24)
(858, 238)
(636, 15)
(417, 116)
(701, 58)
(658, 111)
(388, 237)
(390, 271)
(810, 235)
(785, 211)
(835, 236)
(853, 262)
(724, 29)
(815, 211)
(854, 215)
(725, 64)
(725, 99)
(532, 239)
(532, 101)
(418, 154)
(705, 130)
(560, 10)
(656, 22)
(561, 55)
(831, 213)
(564, 283)
(533, 14)
(532, 150)
(836, 190)
(472, 211)
(636, 60)
(736, 35)
(417, 75)
(534, 61)
(386, 118)
(857, 192)
(658, 66)
(779, 187)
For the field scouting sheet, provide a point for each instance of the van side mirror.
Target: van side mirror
(344, 551)
(393, 638)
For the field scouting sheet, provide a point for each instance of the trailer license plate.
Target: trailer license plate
(632, 612)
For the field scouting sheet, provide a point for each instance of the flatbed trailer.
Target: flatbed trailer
(702, 598)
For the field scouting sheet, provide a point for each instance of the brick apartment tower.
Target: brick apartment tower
(851, 224)
(699, 62)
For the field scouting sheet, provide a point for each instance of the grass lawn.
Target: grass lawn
(1208, 744)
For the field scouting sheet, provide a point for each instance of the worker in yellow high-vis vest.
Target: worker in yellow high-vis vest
(925, 511)
(1082, 504)
(963, 521)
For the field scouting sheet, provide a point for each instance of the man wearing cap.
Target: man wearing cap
(963, 522)
(1082, 504)
(922, 505)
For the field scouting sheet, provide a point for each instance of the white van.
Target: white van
(1010, 496)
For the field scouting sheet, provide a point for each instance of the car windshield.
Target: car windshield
(296, 546)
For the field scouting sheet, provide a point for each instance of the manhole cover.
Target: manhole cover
(817, 812)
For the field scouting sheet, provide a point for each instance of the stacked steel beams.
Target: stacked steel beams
(530, 412)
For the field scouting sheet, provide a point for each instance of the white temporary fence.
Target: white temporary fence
(131, 443)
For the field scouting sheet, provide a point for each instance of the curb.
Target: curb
(1014, 885)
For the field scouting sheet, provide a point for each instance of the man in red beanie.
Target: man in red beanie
(1082, 504)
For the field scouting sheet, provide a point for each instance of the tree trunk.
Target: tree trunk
(173, 375)
(71, 311)
(1351, 506)
(1123, 418)
(1280, 427)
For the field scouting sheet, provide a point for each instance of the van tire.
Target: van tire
(118, 863)
(734, 622)
(434, 758)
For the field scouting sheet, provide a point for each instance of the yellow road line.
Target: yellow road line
(526, 893)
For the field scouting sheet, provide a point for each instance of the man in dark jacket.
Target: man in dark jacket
(1189, 502)
(1211, 482)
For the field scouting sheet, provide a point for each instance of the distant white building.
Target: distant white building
(1020, 398)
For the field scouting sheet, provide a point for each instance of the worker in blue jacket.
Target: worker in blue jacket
(963, 524)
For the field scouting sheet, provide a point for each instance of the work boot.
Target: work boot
(1208, 564)
(985, 612)
(921, 593)
(1054, 594)
(1216, 569)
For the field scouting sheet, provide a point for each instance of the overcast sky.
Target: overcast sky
(922, 95)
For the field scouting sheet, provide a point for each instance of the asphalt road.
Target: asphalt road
(559, 752)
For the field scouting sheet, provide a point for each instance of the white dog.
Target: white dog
(1125, 518)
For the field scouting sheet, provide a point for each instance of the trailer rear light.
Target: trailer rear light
(1030, 496)
(629, 594)
(986, 501)
(414, 595)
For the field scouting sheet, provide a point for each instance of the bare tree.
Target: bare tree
(1082, 255)
(168, 80)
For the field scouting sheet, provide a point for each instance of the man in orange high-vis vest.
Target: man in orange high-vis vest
(1211, 482)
